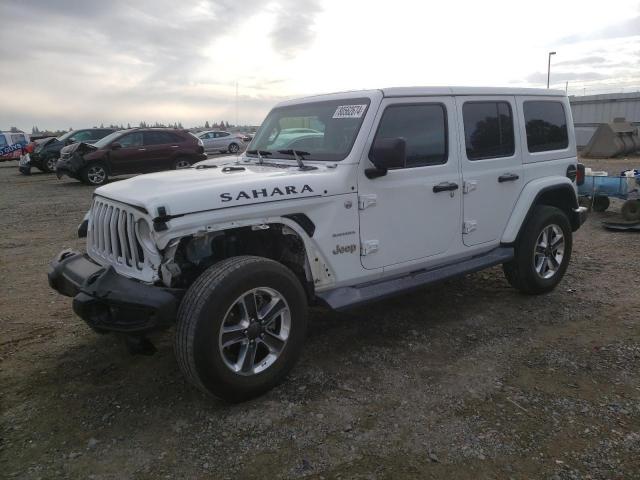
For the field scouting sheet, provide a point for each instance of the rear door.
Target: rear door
(492, 169)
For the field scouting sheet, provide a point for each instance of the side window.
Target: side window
(98, 134)
(82, 136)
(157, 138)
(3, 140)
(423, 127)
(488, 130)
(223, 134)
(18, 138)
(131, 140)
(546, 125)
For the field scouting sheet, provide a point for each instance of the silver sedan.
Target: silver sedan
(219, 141)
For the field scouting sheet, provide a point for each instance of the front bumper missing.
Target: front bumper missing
(107, 301)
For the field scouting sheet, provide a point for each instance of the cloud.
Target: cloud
(88, 59)
(583, 61)
(626, 28)
(293, 28)
(559, 77)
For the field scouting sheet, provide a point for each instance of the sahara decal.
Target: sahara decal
(265, 193)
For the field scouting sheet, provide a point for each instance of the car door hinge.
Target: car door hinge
(366, 201)
(469, 226)
(369, 247)
(469, 186)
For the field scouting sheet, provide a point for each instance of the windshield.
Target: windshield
(64, 136)
(324, 130)
(108, 139)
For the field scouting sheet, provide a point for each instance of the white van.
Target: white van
(11, 144)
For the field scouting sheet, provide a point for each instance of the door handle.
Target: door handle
(445, 187)
(142, 149)
(175, 146)
(508, 177)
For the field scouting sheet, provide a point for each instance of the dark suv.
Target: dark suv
(47, 151)
(137, 150)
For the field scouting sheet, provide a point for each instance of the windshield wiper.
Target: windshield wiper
(260, 153)
(298, 155)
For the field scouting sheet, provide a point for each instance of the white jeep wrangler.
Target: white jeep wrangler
(340, 199)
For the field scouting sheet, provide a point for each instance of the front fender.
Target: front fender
(527, 199)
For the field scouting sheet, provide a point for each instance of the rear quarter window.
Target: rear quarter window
(546, 126)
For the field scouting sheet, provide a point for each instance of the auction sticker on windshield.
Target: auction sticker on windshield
(349, 111)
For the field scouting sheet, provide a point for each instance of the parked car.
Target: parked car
(137, 150)
(11, 145)
(47, 151)
(218, 141)
(409, 186)
(298, 138)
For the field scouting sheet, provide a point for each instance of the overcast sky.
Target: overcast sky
(78, 63)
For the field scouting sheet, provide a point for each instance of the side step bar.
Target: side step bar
(346, 297)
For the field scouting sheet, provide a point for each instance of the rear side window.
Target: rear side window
(546, 125)
(488, 130)
(157, 138)
(424, 129)
(18, 138)
(3, 140)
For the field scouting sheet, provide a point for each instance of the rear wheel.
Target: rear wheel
(542, 251)
(94, 174)
(181, 163)
(241, 326)
(631, 210)
(233, 148)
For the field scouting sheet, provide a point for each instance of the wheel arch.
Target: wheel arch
(557, 192)
(308, 264)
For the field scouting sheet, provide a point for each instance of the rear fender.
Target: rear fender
(561, 189)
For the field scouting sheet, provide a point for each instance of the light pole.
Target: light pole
(549, 68)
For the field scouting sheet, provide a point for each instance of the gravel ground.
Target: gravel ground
(468, 379)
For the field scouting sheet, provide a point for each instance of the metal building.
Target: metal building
(590, 111)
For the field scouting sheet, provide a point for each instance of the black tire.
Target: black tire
(201, 316)
(521, 271)
(600, 203)
(48, 164)
(181, 162)
(95, 174)
(234, 147)
(631, 210)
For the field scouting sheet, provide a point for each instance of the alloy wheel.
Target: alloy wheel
(549, 251)
(96, 174)
(254, 331)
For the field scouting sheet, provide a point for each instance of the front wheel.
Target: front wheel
(542, 251)
(233, 148)
(241, 326)
(49, 164)
(94, 174)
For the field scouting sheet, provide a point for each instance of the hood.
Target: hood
(227, 184)
(80, 147)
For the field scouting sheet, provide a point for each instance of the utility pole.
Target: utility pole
(549, 68)
(236, 103)
(566, 87)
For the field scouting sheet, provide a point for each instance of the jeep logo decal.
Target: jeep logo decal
(265, 193)
(344, 249)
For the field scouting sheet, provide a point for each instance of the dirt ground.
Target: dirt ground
(468, 379)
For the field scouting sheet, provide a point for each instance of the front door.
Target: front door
(130, 153)
(491, 166)
(412, 213)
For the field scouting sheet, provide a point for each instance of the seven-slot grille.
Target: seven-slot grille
(112, 236)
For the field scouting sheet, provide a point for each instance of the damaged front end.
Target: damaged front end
(72, 159)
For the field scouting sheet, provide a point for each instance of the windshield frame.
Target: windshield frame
(297, 106)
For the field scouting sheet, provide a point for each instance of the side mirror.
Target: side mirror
(386, 153)
(70, 141)
(115, 146)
